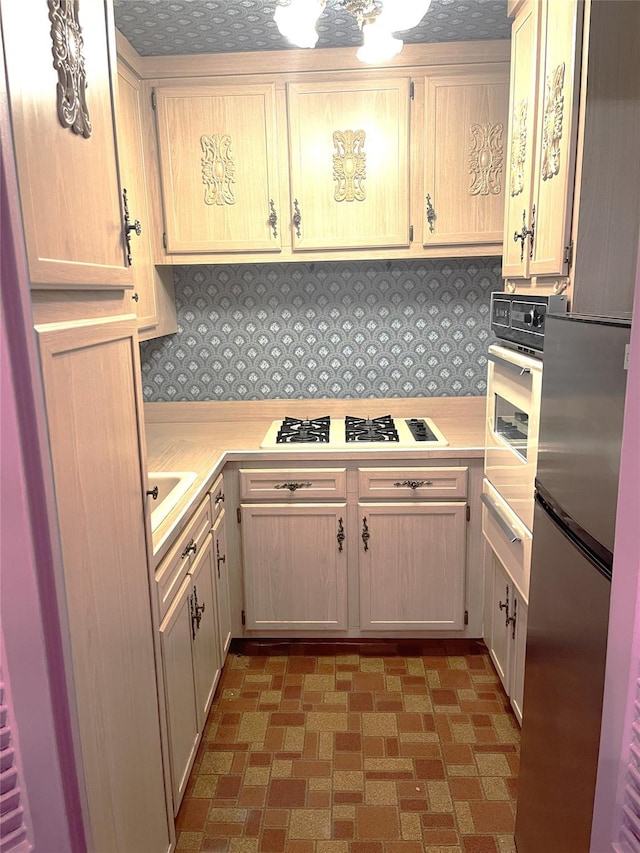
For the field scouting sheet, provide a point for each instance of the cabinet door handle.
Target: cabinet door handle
(365, 533)
(513, 619)
(340, 534)
(502, 522)
(193, 618)
(196, 612)
(219, 559)
(297, 217)
(505, 606)
(153, 493)
(532, 231)
(413, 484)
(129, 227)
(273, 218)
(431, 214)
(190, 549)
(293, 486)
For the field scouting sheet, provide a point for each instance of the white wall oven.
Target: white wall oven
(514, 389)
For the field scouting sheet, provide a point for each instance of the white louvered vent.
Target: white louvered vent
(13, 829)
(629, 840)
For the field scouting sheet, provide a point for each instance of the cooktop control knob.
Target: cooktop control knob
(538, 318)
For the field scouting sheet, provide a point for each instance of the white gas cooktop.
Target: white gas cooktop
(382, 433)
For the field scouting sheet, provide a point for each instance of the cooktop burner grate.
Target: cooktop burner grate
(370, 429)
(311, 431)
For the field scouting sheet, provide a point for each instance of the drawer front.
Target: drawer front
(295, 484)
(173, 569)
(510, 540)
(217, 498)
(412, 483)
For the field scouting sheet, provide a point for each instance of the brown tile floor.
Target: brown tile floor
(376, 747)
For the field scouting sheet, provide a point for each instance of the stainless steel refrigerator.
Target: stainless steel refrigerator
(581, 416)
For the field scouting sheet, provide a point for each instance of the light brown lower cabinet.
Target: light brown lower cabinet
(189, 640)
(97, 452)
(412, 565)
(506, 633)
(295, 566)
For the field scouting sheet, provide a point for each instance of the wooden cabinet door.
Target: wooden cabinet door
(69, 181)
(412, 566)
(218, 168)
(206, 651)
(518, 639)
(295, 567)
(152, 296)
(497, 627)
(349, 147)
(554, 175)
(180, 697)
(525, 39)
(222, 585)
(93, 401)
(465, 134)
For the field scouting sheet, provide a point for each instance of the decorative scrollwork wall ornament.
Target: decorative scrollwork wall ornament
(349, 165)
(485, 158)
(552, 123)
(518, 147)
(68, 60)
(218, 169)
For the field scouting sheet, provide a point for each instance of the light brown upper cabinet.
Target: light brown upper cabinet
(349, 161)
(65, 144)
(465, 130)
(152, 297)
(546, 44)
(218, 168)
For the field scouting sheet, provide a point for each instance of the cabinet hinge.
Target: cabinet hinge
(164, 239)
(466, 617)
(412, 90)
(568, 254)
(411, 233)
(244, 618)
(239, 515)
(154, 102)
(468, 513)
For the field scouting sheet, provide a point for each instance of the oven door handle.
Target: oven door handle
(502, 522)
(522, 371)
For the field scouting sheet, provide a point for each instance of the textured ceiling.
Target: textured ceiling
(164, 27)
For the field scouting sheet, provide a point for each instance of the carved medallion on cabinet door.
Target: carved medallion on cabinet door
(218, 169)
(68, 60)
(485, 158)
(518, 147)
(349, 165)
(552, 127)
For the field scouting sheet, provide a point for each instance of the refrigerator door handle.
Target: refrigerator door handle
(503, 522)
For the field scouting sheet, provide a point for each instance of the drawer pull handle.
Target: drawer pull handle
(293, 486)
(340, 534)
(502, 522)
(365, 533)
(413, 484)
(502, 362)
(153, 493)
(190, 549)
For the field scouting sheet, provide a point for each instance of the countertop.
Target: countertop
(202, 437)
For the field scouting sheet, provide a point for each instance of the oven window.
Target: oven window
(512, 424)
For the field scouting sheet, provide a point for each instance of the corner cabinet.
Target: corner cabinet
(465, 131)
(349, 163)
(294, 553)
(218, 167)
(412, 554)
(65, 143)
(152, 298)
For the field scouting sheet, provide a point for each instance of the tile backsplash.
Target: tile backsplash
(416, 328)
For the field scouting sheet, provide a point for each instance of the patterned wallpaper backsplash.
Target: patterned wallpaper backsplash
(416, 328)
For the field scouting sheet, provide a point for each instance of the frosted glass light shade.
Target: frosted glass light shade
(400, 15)
(379, 45)
(297, 21)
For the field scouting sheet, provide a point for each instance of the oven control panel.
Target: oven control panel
(518, 319)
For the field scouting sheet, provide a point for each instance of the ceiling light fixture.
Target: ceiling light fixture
(378, 20)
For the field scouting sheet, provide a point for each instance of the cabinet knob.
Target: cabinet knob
(153, 493)
(135, 297)
(219, 498)
(190, 549)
